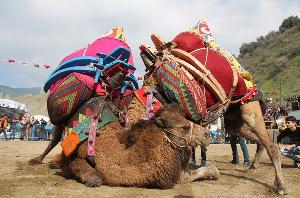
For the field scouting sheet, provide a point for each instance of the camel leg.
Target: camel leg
(210, 172)
(53, 142)
(258, 154)
(236, 126)
(246, 132)
(85, 173)
(252, 116)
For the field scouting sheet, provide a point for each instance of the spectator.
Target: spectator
(3, 125)
(13, 128)
(43, 122)
(48, 128)
(221, 135)
(203, 156)
(23, 123)
(290, 137)
(32, 125)
(235, 155)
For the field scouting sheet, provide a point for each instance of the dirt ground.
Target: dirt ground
(17, 179)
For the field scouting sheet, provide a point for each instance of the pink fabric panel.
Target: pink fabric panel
(73, 55)
(106, 45)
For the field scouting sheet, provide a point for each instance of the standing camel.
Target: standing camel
(205, 82)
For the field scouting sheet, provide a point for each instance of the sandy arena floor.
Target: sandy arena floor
(17, 179)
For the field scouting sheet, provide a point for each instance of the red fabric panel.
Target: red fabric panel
(189, 41)
(219, 68)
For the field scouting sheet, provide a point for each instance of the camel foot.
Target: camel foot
(35, 161)
(212, 172)
(55, 163)
(92, 178)
(279, 189)
(254, 166)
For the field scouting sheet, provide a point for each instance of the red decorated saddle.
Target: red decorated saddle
(199, 78)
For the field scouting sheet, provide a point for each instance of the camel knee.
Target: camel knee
(250, 119)
(211, 172)
(214, 173)
(274, 150)
(92, 178)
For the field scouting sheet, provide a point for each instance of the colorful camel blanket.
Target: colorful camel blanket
(104, 67)
(78, 127)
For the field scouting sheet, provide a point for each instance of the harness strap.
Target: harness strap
(247, 96)
(93, 131)
(174, 144)
(201, 72)
(207, 79)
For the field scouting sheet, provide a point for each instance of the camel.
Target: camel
(152, 154)
(214, 85)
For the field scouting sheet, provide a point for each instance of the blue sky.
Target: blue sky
(45, 31)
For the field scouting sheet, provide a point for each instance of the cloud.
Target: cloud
(46, 31)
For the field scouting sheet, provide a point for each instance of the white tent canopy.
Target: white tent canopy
(13, 104)
(12, 108)
(40, 117)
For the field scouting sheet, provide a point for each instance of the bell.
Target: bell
(117, 79)
(148, 61)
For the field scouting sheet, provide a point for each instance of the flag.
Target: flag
(139, 78)
(117, 33)
(11, 61)
(202, 28)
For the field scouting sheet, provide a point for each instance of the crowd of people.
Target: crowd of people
(25, 128)
(288, 141)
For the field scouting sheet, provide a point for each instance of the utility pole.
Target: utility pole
(280, 92)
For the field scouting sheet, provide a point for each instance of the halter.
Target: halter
(175, 145)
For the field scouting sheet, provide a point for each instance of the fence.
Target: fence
(36, 132)
(43, 132)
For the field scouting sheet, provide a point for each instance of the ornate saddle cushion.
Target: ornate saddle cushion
(67, 96)
(104, 67)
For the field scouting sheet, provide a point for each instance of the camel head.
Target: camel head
(178, 130)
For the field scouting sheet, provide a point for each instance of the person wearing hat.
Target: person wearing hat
(290, 137)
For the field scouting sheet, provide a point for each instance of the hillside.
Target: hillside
(37, 104)
(9, 92)
(32, 97)
(274, 61)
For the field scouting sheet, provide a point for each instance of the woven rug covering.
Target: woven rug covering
(181, 90)
(68, 96)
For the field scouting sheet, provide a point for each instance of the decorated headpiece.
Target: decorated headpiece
(202, 28)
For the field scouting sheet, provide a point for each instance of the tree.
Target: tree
(288, 23)
(248, 48)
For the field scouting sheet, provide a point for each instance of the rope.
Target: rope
(176, 145)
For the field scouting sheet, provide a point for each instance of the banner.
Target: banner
(37, 65)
